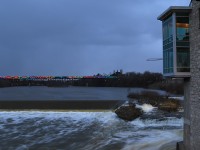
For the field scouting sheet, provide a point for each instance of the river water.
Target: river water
(67, 93)
(67, 130)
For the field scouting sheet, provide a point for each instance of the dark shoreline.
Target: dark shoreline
(60, 104)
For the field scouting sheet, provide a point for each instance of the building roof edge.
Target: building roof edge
(172, 9)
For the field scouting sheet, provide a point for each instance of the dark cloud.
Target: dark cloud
(76, 37)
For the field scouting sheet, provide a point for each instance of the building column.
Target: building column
(192, 103)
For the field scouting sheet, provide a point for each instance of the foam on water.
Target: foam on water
(155, 140)
(174, 122)
(20, 116)
(177, 97)
(83, 130)
(147, 108)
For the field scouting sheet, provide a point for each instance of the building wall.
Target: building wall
(192, 103)
(187, 114)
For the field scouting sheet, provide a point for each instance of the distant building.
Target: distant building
(181, 59)
(117, 73)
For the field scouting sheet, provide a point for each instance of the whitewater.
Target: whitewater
(27, 130)
(83, 130)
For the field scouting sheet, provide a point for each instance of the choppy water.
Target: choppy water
(39, 130)
(32, 130)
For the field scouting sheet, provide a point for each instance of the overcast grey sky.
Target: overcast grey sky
(80, 37)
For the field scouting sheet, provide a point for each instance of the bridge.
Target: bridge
(95, 80)
(46, 78)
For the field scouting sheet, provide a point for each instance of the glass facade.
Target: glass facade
(168, 45)
(177, 28)
(182, 42)
(176, 41)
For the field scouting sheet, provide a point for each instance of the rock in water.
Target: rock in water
(128, 112)
(169, 106)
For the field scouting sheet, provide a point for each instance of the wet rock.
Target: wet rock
(128, 112)
(160, 115)
(163, 102)
(169, 106)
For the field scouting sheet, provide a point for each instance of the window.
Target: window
(182, 29)
(168, 46)
(182, 42)
(167, 29)
(183, 59)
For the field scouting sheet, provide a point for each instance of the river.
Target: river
(66, 93)
(79, 130)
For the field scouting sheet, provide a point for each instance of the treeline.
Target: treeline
(144, 80)
(18, 82)
(123, 80)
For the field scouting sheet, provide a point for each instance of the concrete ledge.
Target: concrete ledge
(60, 104)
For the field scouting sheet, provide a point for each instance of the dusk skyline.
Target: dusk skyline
(74, 37)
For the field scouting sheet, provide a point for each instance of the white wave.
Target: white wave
(20, 116)
(106, 128)
(104, 117)
(22, 147)
(155, 140)
(177, 97)
(175, 122)
(146, 107)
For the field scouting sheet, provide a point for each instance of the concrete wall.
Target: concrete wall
(192, 85)
(186, 114)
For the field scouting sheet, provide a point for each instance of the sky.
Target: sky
(81, 37)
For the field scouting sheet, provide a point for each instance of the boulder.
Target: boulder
(169, 106)
(128, 112)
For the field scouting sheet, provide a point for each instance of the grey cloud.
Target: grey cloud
(80, 37)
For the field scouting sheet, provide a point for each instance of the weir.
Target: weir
(60, 104)
(181, 59)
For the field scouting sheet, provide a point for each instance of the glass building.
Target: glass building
(176, 45)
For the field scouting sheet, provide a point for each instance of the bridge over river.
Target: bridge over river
(55, 81)
(56, 77)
